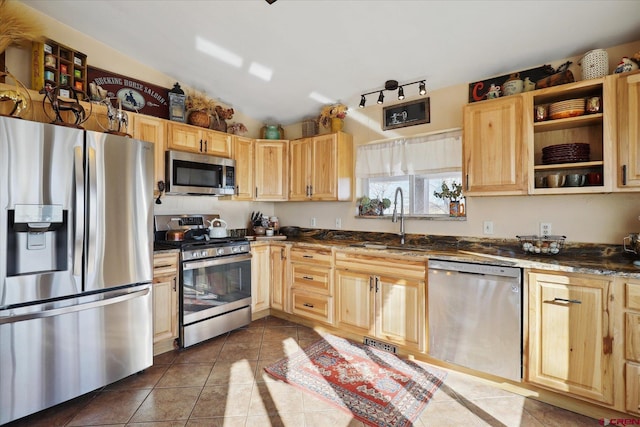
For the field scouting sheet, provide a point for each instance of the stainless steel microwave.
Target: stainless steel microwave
(189, 173)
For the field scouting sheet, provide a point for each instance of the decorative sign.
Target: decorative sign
(407, 114)
(478, 90)
(131, 94)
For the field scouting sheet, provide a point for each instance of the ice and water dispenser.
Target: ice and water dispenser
(37, 239)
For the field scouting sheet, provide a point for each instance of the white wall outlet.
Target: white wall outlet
(487, 227)
(313, 222)
(545, 228)
(338, 223)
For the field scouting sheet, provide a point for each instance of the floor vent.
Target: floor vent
(381, 345)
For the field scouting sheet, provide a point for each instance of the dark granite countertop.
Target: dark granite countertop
(574, 257)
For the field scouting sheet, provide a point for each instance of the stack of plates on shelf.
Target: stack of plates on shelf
(568, 108)
(565, 153)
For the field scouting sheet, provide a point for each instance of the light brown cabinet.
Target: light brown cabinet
(195, 139)
(243, 153)
(590, 128)
(503, 146)
(260, 276)
(382, 297)
(493, 149)
(321, 168)
(165, 301)
(632, 343)
(312, 283)
(571, 334)
(151, 129)
(628, 168)
(270, 170)
(279, 292)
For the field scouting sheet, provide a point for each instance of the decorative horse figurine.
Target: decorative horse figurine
(116, 116)
(58, 105)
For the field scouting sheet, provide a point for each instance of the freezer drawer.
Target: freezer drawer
(51, 356)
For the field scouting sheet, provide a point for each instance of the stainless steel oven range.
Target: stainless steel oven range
(215, 277)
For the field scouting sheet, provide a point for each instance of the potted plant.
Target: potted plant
(453, 193)
(372, 207)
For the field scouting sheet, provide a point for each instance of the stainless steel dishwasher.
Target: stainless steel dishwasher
(475, 316)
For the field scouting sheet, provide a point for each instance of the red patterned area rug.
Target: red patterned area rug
(376, 387)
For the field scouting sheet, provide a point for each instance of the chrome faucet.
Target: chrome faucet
(395, 213)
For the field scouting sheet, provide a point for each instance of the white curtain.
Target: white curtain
(419, 155)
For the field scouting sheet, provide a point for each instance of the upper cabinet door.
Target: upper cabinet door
(243, 148)
(271, 169)
(629, 132)
(324, 184)
(300, 169)
(494, 153)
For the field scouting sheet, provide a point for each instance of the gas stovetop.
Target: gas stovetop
(196, 243)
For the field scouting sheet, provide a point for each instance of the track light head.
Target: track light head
(400, 93)
(381, 98)
(363, 101)
(422, 90)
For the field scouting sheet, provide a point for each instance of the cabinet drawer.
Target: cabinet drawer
(316, 279)
(632, 336)
(633, 388)
(165, 264)
(395, 267)
(633, 296)
(312, 256)
(312, 306)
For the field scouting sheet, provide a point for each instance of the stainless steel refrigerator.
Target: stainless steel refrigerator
(75, 263)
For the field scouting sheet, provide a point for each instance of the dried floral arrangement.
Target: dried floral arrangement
(197, 102)
(17, 25)
(224, 113)
(329, 112)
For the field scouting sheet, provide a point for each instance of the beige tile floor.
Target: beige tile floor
(222, 383)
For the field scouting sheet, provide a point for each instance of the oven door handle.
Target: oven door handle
(192, 265)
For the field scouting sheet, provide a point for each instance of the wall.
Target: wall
(584, 218)
(603, 218)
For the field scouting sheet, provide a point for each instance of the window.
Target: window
(417, 165)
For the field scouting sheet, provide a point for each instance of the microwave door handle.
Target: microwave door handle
(93, 213)
(79, 211)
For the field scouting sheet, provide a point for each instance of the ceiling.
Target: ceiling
(341, 49)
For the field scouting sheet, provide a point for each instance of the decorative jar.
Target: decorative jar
(272, 132)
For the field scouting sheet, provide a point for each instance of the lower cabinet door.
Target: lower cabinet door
(633, 387)
(165, 308)
(355, 304)
(570, 333)
(401, 326)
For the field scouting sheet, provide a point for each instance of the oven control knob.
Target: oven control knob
(220, 251)
(235, 249)
(203, 253)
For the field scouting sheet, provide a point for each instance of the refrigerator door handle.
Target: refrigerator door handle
(75, 308)
(79, 212)
(93, 213)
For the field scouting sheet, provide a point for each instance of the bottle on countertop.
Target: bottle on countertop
(275, 224)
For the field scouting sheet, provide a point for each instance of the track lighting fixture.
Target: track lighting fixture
(393, 85)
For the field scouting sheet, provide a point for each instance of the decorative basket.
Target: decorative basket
(545, 245)
(199, 118)
(595, 64)
(309, 128)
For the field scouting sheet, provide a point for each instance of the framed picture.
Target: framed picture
(406, 114)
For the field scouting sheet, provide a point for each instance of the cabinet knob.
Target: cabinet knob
(306, 304)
